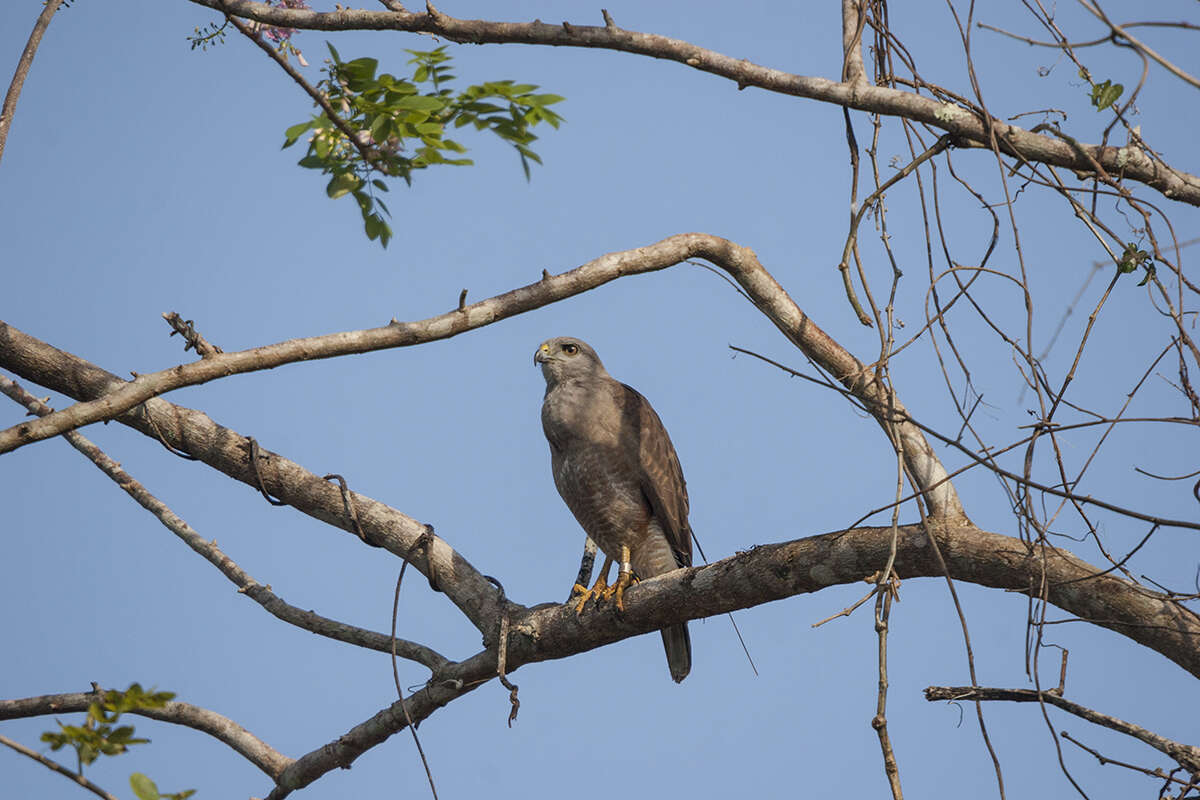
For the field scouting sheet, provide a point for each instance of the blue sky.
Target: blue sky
(141, 177)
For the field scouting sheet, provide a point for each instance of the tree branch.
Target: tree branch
(740, 262)
(308, 620)
(1185, 755)
(75, 777)
(971, 130)
(772, 572)
(256, 751)
(1140, 46)
(193, 432)
(22, 72)
(853, 15)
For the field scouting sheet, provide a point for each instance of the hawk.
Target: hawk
(617, 471)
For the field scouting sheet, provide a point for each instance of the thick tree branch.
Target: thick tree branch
(774, 572)
(853, 71)
(308, 620)
(1129, 162)
(194, 433)
(1185, 755)
(256, 751)
(740, 262)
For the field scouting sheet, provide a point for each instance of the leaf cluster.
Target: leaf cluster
(399, 125)
(1105, 93)
(99, 734)
(1134, 257)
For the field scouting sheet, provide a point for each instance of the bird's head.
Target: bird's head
(565, 357)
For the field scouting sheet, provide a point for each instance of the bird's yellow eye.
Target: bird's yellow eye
(570, 349)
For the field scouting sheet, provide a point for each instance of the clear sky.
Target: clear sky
(141, 177)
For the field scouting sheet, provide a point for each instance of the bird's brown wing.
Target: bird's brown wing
(660, 475)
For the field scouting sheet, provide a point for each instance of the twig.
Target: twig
(1140, 46)
(883, 609)
(187, 329)
(22, 72)
(369, 154)
(56, 767)
(1187, 756)
(868, 203)
(1153, 773)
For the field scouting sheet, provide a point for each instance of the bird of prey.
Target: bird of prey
(617, 471)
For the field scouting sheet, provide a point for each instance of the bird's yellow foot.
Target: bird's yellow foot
(597, 592)
(624, 580)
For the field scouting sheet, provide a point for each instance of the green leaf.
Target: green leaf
(143, 787)
(342, 183)
(293, 133)
(373, 226)
(1132, 258)
(321, 146)
(381, 128)
(122, 734)
(361, 68)
(1105, 94)
(419, 102)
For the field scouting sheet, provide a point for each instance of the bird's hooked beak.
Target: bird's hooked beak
(542, 355)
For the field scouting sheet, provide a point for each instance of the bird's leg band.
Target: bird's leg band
(624, 578)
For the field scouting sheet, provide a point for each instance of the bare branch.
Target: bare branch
(852, 33)
(1186, 755)
(1140, 46)
(191, 337)
(22, 72)
(193, 432)
(740, 262)
(772, 572)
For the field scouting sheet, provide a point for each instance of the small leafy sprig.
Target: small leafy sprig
(1134, 257)
(210, 35)
(100, 735)
(400, 124)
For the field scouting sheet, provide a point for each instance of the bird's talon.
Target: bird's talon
(598, 592)
(617, 590)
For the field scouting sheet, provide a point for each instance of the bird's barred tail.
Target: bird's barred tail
(678, 645)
